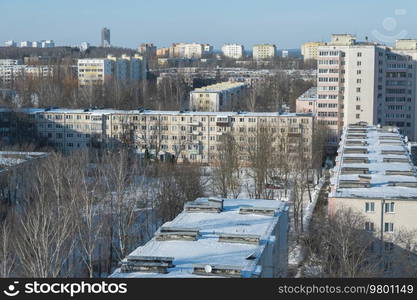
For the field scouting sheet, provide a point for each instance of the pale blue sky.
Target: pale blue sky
(287, 23)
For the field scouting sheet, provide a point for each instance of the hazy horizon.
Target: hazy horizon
(285, 23)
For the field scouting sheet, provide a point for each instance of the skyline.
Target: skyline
(136, 22)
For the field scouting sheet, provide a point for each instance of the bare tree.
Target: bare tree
(45, 228)
(7, 253)
(340, 247)
(225, 172)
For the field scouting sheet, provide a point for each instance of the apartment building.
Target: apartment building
(13, 69)
(374, 176)
(189, 50)
(217, 97)
(163, 52)
(147, 50)
(98, 71)
(264, 51)
(309, 50)
(182, 135)
(234, 51)
(105, 37)
(212, 237)
(25, 44)
(307, 102)
(94, 71)
(10, 43)
(363, 81)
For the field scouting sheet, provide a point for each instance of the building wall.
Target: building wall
(264, 51)
(187, 136)
(403, 216)
(234, 51)
(367, 82)
(309, 50)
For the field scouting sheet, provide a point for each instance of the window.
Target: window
(389, 207)
(369, 226)
(358, 116)
(388, 246)
(389, 227)
(370, 207)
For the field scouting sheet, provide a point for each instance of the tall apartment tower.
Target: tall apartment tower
(105, 37)
(368, 82)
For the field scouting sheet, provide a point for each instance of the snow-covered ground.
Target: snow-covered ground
(296, 254)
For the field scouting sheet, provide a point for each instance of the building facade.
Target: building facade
(105, 37)
(234, 51)
(183, 136)
(217, 97)
(307, 102)
(363, 81)
(374, 176)
(99, 71)
(264, 51)
(309, 50)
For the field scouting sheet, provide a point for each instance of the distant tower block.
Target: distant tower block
(105, 37)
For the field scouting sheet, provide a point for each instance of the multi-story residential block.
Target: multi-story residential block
(163, 52)
(84, 46)
(36, 44)
(147, 50)
(307, 102)
(217, 97)
(309, 50)
(363, 81)
(234, 51)
(47, 44)
(264, 51)
(94, 71)
(183, 136)
(25, 44)
(99, 71)
(13, 69)
(193, 50)
(105, 37)
(374, 176)
(208, 239)
(10, 43)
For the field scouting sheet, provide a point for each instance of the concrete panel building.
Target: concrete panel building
(307, 102)
(362, 81)
(309, 50)
(374, 176)
(234, 51)
(264, 51)
(212, 237)
(217, 97)
(183, 136)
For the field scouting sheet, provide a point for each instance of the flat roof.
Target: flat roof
(309, 95)
(219, 87)
(386, 152)
(207, 250)
(9, 159)
(153, 112)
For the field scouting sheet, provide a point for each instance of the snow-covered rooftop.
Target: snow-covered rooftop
(10, 159)
(375, 163)
(93, 111)
(208, 249)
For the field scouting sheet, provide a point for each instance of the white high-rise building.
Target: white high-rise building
(25, 44)
(47, 44)
(363, 81)
(264, 51)
(234, 51)
(99, 71)
(10, 43)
